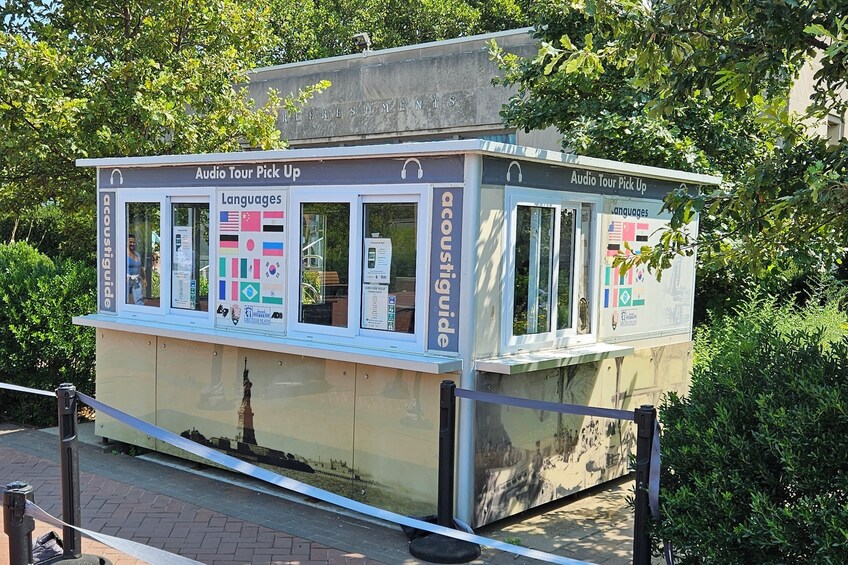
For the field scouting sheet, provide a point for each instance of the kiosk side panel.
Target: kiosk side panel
(526, 458)
(126, 369)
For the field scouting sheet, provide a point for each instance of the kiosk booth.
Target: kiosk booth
(299, 309)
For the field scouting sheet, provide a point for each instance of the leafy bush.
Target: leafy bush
(754, 460)
(39, 345)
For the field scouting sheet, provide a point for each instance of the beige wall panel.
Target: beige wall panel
(299, 409)
(196, 388)
(126, 379)
(396, 441)
(526, 457)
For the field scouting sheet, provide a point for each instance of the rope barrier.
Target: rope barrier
(267, 476)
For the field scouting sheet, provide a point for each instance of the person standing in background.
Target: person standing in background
(136, 282)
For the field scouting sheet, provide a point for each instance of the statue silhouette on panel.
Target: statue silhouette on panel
(245, 412)
(244, 445)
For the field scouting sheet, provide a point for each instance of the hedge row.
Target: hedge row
(754, 458)
(39, 346)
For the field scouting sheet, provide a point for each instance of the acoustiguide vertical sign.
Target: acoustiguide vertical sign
(107, 301)
(444, 280)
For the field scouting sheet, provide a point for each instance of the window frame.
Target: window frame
(143, 197)
(557, 201)
(165, 199)
(171, 310)
(357, 196)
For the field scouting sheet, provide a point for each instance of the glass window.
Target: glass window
(565, 284)
(324, 254)
(389, 266)
(143, 250)
(549, 271)
(533, 258)
(190, 256)
(584, 325)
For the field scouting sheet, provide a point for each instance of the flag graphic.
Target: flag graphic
(222, 290)
(222, 267)
(628, 231)
(234, 291)
(249, 292)
(272, 294)
(256, 269)
(228, 244)
(272, 248)
(642, 232)
(234, 272)
(606, 298)
(272, 269)
(614, 232)
(273, 221)
(251, 221)
(228, 221)
(624, 297)
(243, 269)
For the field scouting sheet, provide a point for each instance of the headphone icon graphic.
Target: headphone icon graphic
(112, 177)
(508, 169)
(408, 161)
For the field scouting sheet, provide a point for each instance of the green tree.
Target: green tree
(311, 29)
(703, 87)
(135, 77)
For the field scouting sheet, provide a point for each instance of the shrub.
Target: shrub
(39, 345)
(754, 464)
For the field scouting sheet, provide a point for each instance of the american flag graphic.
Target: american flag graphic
(229, 221)
(614, 232)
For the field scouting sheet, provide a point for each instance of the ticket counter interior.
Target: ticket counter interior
(299, 309)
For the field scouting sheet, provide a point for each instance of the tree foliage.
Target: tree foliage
(703, 87)
(311, 29)
(136, 77)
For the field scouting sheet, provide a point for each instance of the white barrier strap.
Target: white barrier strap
(148, 554)
(265, 475)
(25, 389)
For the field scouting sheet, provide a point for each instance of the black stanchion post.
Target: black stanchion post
(646, 415)
(69, 463)
(437, 548)
(17, 525)
(447, 435)
(69, 460)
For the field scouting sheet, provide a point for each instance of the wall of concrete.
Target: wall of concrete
(435, 90)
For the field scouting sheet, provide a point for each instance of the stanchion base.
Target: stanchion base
(437, 548)
(83, 559)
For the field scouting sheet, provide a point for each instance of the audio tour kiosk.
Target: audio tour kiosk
(299, 309)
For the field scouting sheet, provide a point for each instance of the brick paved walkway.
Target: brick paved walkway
(218, 522)
(124, 510)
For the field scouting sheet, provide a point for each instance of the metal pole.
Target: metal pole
(646, 415)
(69, 460)
(447, 442)
(17, 525)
